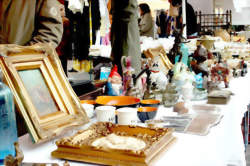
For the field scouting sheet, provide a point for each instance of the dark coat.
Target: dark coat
(125, 37)
(191, 19)
(80, 31)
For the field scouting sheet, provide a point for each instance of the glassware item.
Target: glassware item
(8, 130)
(170, 96)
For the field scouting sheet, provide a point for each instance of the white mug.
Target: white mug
(105, 114)
(127, 116)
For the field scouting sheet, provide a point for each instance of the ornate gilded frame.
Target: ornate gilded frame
(58, 107)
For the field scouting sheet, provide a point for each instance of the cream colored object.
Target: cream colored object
(223, 34)
(158, 54)
(105, 114)
(114, 141)
(127, 116)
(76, 6)
(233, 63)
(82, 136)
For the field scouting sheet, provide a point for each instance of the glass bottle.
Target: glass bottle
(8, 129)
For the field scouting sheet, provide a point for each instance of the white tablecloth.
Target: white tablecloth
(223, 146)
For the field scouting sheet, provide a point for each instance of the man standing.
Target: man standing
(125, 36)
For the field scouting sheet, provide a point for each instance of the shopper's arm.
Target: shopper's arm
(48, 23)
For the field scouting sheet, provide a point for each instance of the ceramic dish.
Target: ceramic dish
(146, 113)
(150, 103)
(88, 102)
(118, 101)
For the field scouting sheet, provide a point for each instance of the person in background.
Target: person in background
(25, 22)
(162, 22)
(191, 20)
(64, 48)
(146, 23)
(125, 36)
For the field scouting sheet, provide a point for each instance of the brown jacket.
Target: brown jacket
(26, 22)
(146, 25)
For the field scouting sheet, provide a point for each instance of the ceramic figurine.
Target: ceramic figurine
(128, 72)
(133, 85)
(199, 58)
(157, 77)
(236, 72)
(220, 73)
(15, 160)
(185, 53)
(114, 84)
(182, 75)
(199, 80)
(243, 67)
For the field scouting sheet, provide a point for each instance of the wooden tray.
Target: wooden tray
(157, 140)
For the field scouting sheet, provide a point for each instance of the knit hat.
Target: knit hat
(114, 72)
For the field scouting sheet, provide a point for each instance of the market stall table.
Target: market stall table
(223, 145)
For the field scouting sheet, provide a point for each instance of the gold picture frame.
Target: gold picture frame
(41, 90)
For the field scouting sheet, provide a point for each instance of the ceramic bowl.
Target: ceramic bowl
(88, 102)
(146, 113)
(118, 101)
(150, 103)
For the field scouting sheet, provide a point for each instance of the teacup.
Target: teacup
(127, 116)
(105, 114)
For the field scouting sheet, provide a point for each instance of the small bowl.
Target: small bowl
(118, 101)
(146, 113)
(88, 102)
(150, 103)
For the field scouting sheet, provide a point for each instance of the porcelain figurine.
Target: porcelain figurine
(243, 67)
(187, 91)
(236, 72)
(199, 61)
(114, 84)
(183, 57)
(220, 73)
(133, 85)
(182, 75)
(157, 77)
(199, 80)
(128, 72)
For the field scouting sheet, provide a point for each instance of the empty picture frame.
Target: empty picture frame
(41, 90)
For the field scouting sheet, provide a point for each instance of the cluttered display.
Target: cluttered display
(130, 130)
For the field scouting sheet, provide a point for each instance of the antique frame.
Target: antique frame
(41, 90)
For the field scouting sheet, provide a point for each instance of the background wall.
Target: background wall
(205, 6)
(155, 5)
(240, 10)
(240, 17)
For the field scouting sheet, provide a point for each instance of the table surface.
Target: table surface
(223, 145)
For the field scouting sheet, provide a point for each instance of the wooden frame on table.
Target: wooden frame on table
(41, 90)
